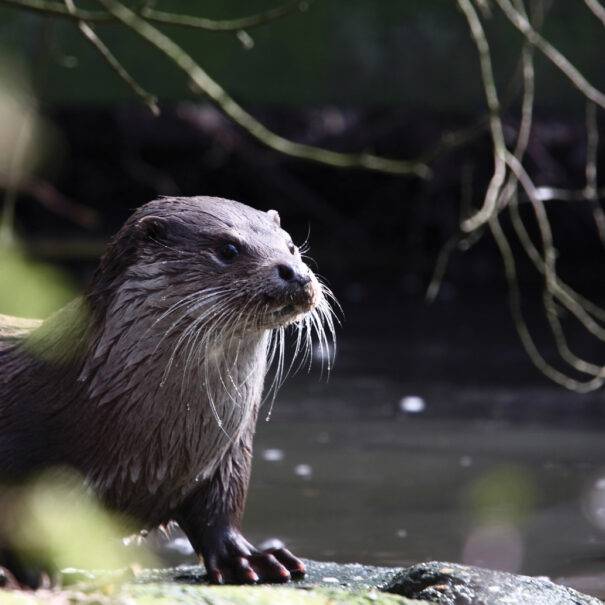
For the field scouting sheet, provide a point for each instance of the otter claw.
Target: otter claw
(269, 568)
(231, 559)
(273, 566)
(295, 566)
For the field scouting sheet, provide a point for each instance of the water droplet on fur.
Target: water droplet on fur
(323, 353)
(162, 383)
(188, 407)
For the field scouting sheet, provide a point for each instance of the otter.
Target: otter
(150, 383)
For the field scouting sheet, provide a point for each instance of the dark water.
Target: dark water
(399, 490)
(434, 439)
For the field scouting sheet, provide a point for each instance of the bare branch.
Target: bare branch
(548, 259)
(521, 325)
(227, 25)
(146, 98)
(441, 265)
(567, 355)
(590, 190)
(549, 51)
(49, 7)
(491, 95)
(597, 9)
(56, 202)
(258, 130)
(56, 9)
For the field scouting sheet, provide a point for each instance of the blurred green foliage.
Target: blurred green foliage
(505, 494)
(29, 288)
(54, 523)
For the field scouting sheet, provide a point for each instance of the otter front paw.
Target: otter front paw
(230, 559)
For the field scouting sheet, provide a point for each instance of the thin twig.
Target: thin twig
(509, 192)
(441, 265)
(547, 194)
(258, 130)
(57, 9)
(459, 240)
(46, 195)
(549, 254)
(564, 290)
(145, 97)
(521, 326)
(449, 140)
(510, 189)
(549, 51)
(491, 96)
(581, 365)
(597, 9)
(590, 190)
(227, 25)
(216, 25)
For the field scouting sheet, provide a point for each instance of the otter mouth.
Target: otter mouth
(285, 311)
(292, 306)
(287, 314)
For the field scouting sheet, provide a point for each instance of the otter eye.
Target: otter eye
(228, 251)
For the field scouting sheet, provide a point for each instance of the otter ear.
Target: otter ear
(275, 216)
(151, 227)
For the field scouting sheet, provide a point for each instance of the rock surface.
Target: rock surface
(325, 583)
(449, 584)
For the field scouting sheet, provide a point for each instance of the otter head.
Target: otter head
(213, 257)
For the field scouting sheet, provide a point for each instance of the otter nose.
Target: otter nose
(288, 274)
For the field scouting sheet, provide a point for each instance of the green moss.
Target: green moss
(160, 594)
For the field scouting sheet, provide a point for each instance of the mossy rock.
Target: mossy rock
(325, 583)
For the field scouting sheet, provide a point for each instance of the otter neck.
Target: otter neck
(163, 381)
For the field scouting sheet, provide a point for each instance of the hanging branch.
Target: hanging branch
(521, 326)
(145, 97)
(509, 185)
(502, 192)
(239, 115)
(558, 59)
(202, 81)
(48, 7)
(227, 25)
(491, 96)
(597, 9)
(590, 190)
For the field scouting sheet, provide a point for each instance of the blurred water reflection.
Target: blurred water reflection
(435, 440)
(394, 492)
